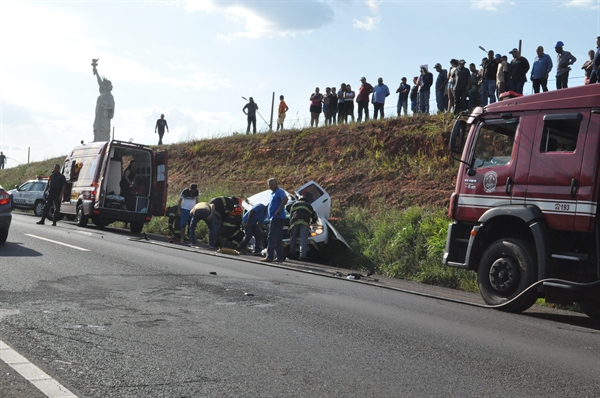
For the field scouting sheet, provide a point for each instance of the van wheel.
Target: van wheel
(70, 217)
(81, 219)
(38, 208)
(136, 227)
(506, 270)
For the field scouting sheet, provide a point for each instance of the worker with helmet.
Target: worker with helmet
(564, 60)
(302, 215)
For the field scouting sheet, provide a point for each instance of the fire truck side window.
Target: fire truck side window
(560, 135)
(494, 145)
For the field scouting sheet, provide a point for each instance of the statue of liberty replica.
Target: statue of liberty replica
(105, 107)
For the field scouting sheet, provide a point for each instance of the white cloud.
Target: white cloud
(371, 22)
(270, 18)
(589, 4)
(489, 5)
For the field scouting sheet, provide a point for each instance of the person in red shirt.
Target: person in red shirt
(283, 108)
(362, 99)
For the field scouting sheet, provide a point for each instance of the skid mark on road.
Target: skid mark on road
(33, 374)
(59, 243)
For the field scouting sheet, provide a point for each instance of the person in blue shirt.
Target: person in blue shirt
(541, 70)
(251, 222)
(277, 219)
(380, 91)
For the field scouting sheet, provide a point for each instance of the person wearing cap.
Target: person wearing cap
(540, 70)
(564, 60)
(302, 215)
(461, 85)
(441, 94)
(380, 91)
(160, 128)
(362, 99)
(517, 71)
(403, 92)
(488, 87)
(187, 200)
(501, 74)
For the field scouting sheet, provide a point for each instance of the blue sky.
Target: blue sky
(195, 60)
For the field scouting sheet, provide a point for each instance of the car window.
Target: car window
(38, 186)
(26, 187)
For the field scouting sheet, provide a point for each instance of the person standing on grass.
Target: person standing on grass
(403, 92)
(281, 112)
(160, 128)
(277, 217)
(316, 104)
(252, 107)
(380, 91)
(349, 103)
(542, 65)
(2, 160)
(564, 60)
(362, 99)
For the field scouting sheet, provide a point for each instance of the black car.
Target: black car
(5, 214)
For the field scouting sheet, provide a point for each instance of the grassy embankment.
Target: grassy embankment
(389, 181)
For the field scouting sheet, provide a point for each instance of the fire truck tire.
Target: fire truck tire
(38, 208)
(506, 269)
(81, 219)
(591, 306)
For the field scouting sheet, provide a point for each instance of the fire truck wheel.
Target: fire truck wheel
(81, 219)
(591, 306)
(506, 269)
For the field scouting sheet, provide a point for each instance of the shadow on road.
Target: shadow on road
(16, 249)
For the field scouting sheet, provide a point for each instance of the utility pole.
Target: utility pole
(28, 153)
(272, 105)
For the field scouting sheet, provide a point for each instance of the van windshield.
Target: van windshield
(494, 145)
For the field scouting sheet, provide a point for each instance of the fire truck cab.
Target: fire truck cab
(525, 207)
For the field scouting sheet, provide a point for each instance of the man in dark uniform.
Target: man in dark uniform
(220, 208)
(160, 126)
(55, 190)
(302, 215)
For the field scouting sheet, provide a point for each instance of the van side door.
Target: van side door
(158, 196)
(554, 181)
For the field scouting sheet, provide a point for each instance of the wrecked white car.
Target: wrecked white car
(322, 233)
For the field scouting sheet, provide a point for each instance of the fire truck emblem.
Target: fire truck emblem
(489, 181)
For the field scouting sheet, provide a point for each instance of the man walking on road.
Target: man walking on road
(55, 189)
(160, 127)
(277, 218)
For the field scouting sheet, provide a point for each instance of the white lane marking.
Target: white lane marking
(59, 243)
(33, 374)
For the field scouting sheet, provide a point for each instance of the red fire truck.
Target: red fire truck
(525, 208)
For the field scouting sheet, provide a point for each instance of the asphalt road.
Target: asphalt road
(133, 319)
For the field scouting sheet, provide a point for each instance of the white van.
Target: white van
(94, 172)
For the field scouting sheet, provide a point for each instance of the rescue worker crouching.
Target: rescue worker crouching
(251, 223)
(302, 215)
(201, 211)
(221, 207)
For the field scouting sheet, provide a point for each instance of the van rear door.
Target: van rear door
(158, 197)
(554, 182)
